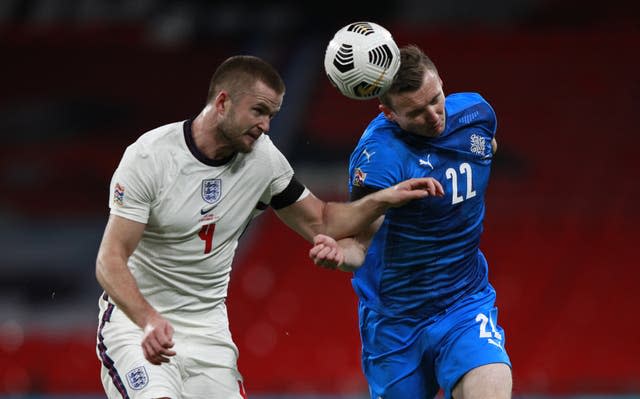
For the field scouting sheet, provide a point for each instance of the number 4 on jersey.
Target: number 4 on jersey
(206, 235)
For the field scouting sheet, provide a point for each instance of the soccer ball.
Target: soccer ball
(361, 60)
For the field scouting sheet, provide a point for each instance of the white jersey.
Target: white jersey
(194, 211)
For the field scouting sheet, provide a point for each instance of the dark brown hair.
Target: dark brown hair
(240, 73)
(413, 64)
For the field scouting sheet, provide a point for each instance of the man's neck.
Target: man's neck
(206, 138)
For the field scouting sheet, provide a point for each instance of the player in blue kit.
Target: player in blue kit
(426, 308)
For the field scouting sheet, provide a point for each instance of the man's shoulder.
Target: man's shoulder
(163, 135)
(469, 108)
(152, 148)
(457, 102)
(379, 146)
(380, 130)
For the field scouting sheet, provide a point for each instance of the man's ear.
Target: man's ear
(388, 112)
(221, 102)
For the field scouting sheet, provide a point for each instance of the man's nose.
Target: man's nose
(432, 115)
(264, 125)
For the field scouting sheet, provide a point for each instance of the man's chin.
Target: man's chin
(246, 148)
(431, 134)
(437, 131)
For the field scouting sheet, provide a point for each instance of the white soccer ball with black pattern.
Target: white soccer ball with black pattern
(361, 60)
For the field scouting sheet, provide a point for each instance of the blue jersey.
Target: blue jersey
(426, 254)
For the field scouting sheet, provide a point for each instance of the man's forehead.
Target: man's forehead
(430, 88)
(265, 95)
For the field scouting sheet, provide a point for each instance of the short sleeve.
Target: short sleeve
(374, 164)
(282, 176)
(132, 185)
(491, 119)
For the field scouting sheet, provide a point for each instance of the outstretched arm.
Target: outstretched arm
(311, 216)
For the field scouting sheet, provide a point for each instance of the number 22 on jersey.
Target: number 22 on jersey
(452, 174)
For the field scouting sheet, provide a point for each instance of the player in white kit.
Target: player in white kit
(180, 199)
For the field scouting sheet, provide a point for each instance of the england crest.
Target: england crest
(138, 378)
(211, 190)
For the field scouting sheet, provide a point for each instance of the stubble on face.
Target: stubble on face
(230, 134)
(422, 112)
(249, 117)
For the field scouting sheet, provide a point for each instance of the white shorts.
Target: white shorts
(205, 364)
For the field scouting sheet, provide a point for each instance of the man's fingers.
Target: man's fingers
(157, 355)
(337, 257)
(157, 343)
(327, 257)
(163, 341)
(421, 185)
(318, 254)
(431, 188)
(330, 256)
(313, 252)
(322, 254)
(150, 354)
(167, 352)
(158, 359)
(152, 342)
(325, 252)
(168, 330)
(435, 188)
(439, 188)
(322, 239)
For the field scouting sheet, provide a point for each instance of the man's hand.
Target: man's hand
(158, 340)
(326, 252)
(411, 189)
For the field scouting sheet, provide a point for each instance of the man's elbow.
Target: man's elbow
(100, 270)
(106, 265)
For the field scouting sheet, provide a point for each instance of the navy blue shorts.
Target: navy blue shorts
(405, 357)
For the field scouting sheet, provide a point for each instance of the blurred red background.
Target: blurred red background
(560, 233)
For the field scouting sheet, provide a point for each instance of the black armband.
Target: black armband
(358, 192)
(288, 196)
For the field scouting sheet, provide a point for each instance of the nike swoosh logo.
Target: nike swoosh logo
(206, 209)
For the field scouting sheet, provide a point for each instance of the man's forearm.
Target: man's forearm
(311, 216)
(343, 220)
(119, 284)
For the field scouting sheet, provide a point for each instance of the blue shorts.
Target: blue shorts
(406, 357)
